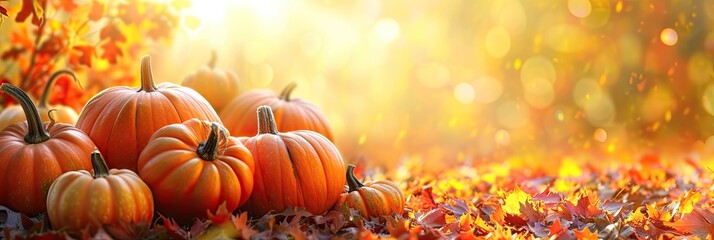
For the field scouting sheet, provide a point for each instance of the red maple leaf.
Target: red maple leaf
(112, 32)
(3, 11)
(111, 51)
(32, 8)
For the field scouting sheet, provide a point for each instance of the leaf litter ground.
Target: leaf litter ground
(647, 200)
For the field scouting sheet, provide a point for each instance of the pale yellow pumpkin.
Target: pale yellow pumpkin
(63, 114)
(217, 85)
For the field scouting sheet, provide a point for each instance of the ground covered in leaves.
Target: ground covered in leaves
(645, 199)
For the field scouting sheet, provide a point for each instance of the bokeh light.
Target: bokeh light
(580, 8)
(464, 93)
(600, 135)
(487, 89)
(669, 37)
(498, 42)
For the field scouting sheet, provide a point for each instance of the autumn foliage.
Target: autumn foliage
(96, 39)
(489, 187)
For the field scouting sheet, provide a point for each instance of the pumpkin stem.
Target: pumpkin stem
(208, 150)
(45, 99)
(212, 61)
(285, 94)
(266, 120)
(352, 181)
(35, 132)
(147, 77)
(99, 165)
(52, 120)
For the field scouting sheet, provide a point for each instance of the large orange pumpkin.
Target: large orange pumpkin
(299, 168)
(372, 199)
(290, 113)
(194, 167)
(33, 154)
(78, 200)
(64, 114)
(218, 86)
(120, 120)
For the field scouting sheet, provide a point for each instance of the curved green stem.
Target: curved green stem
(45, 98)
(99, 165)
(352, 181)
(285, 94)
(35, 132)
(147, 77)
(266, 121)
(208, 150)
(212, 61)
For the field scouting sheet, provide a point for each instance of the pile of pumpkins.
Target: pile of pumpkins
(164, 148)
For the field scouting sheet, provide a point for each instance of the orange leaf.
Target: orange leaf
(97, 11)
(695, 223)
(222, 215)
(67, 5)
(585, 234)
(556, 228)
(241, 225)
(82, 55)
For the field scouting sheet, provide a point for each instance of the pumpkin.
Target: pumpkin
(194, 167)
(290, 113)
(78, 200)
(371, 199)
(120, 120)
(218, 86)
(35, 154)
(299, 169)
(64, 114)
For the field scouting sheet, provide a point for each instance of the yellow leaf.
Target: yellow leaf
(514, 199)
(687, 202)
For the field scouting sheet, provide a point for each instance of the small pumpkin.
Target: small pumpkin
(372, 199)
(121, 120)
(299, 169)
(34, 154)
(290, 113)
(64, 114)
(218, 86)
(78, 200)
(194, 167)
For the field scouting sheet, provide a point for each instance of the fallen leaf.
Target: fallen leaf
(585, 234)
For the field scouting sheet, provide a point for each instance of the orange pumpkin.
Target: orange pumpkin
(194, 167)
(64, 114)
(35, 154)
(290, 113)
(299, 168)
(120, 120)
(218, 86)
(78, 200)
(372, 199)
